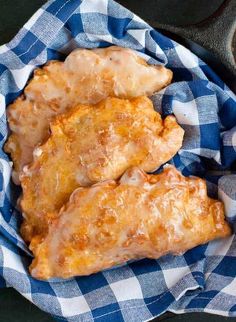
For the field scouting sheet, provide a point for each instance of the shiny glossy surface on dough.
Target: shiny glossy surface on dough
(86, 77)
(90, 144)
(139, 216)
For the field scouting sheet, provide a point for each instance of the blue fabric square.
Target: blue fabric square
(198, 301)
(6, 235)
(200, 91)
(108, 313)
(226, 267)
(10, 97)
(210, 136)
(229, 156)
(2, 68)
(75, 25)
(158, 305)
(182, 73)
(2, 281)
(233, 309)
(117, 27)
(164, 42)
(41, 287)
(28, 48)
(144, 266)
(91, 283)
(195, 254)
(6, 209)
(55, 6)
(227, 114)
(211, 75)
(199, 277)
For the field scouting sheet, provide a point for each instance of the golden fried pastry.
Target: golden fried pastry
(86, 77)
(139, 216)
(90, 144)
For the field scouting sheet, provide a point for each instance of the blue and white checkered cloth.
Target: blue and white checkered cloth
(203, 279)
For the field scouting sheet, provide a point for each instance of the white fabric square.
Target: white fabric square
(229, 203)
(230, 288)
(127, 289)
(3, 49)
(188, 59)
(139, 35)
(158, 50)
(186, 113)
(215, 311)
(34, 18)
(234, 139)
(93, 37)
(73, 306)
(97, 6)
(22, 75)
(6, 173)
(11, 260)
(2, 105)
(219, 247)
(173, 275)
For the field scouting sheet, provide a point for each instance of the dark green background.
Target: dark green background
(13, 14)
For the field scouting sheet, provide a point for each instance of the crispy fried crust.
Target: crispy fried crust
(86, 77)
(90, 144)
(139, 216)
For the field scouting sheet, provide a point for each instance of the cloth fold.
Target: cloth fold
(202, 279)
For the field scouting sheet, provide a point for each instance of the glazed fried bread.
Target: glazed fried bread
(138, 216)
(91, 144)
(86, 77)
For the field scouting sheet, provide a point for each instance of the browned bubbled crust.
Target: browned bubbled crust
(138, 216)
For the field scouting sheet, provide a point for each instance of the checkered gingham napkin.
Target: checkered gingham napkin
(203, 279)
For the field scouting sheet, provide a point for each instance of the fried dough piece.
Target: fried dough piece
(91, 144)
(139, 216)
(86, 77)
